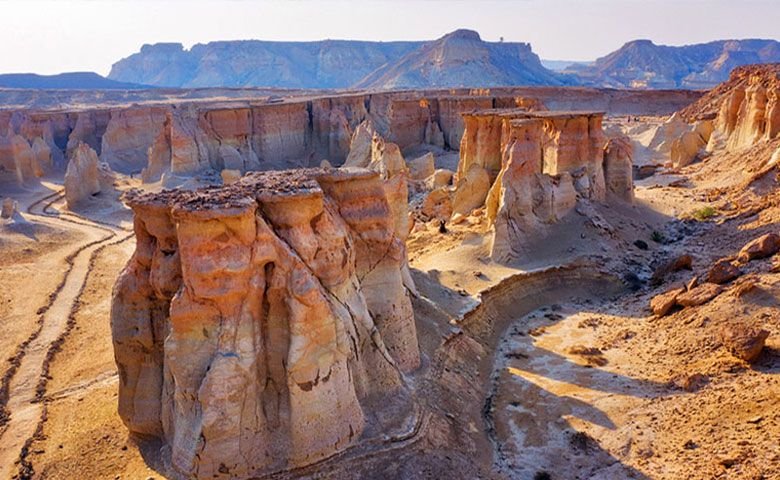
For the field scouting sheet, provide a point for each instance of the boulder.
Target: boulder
(441, 178)
(230, 176)
(743, 341)
(675, 264)
(438, 204)
(422, 167)
(761, 247)
(699, 295)
(9, 208)
(663, 303)
(722, 271)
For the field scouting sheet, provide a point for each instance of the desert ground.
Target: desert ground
(549, 364)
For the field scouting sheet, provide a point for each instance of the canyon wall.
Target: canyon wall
(264, 325)
(187, 138)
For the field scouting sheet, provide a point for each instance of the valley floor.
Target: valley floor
(550, 367)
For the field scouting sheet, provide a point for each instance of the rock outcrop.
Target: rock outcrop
(618, 168)
(534, 165)
(265, 324)
(85, 176)
(745, 109)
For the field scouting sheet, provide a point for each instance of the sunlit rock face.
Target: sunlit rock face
(744, 110)
(528, 169)
(264, 324)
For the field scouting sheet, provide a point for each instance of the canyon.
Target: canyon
(498, 282)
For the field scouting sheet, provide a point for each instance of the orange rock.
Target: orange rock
(761, 247)
(662, 304)
(282, 295)
(699, 295)
(722, 272)
(742, 341)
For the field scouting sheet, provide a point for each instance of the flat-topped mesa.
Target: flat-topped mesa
(529, 168)
(264, 324)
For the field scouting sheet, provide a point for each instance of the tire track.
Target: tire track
(22, 389)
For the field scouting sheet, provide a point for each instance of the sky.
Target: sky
(52, 36)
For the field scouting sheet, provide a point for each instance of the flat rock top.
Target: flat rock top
(268, 186)
(522, 113)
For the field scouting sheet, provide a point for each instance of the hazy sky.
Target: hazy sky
(46, 36)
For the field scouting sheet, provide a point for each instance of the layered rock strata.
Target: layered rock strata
(253, 134)
(265, 324)
(529, 169)
(745, 110)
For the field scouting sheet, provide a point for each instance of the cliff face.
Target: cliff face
(186, 139)
(744, 110)
(642, 64)
(264, 324)
(457, 59)
(324, 64)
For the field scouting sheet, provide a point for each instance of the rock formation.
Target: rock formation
(264, 324)
(85, 176)
(9, 208)
(745, 110)
(618, 168)
(181, 140)
(529, 168)
(689, 146)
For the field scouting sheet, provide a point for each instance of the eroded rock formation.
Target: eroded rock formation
(529, 169)
(618, 164)
(85, 176)
(745, 109)
(264, 324)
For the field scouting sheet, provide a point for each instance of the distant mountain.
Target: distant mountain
(64, 81)
(461, 59)
(643, 64)
(254, 63)
(560, 65)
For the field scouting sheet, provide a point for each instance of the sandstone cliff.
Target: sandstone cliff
(264, 324)
(744, 110)
(529, 169)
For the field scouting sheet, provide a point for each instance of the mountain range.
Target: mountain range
(643, 64)
(458, 59)
(65, 81)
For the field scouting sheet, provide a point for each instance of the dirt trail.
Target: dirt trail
(27, 384)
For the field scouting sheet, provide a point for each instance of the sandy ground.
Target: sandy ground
(530, 372)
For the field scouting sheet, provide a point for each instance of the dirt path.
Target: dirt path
(27, 384)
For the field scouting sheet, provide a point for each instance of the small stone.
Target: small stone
(641, 244)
